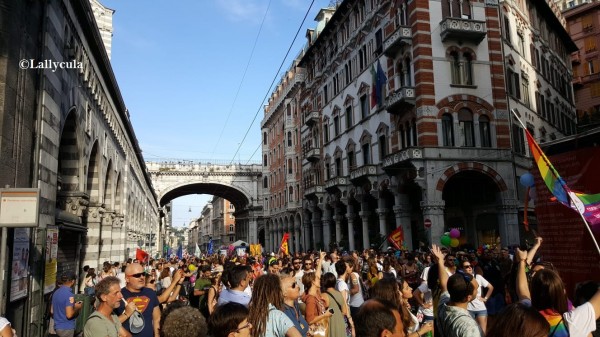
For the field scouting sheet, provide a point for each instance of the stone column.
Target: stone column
(297, 237)
(434, 211)
(338, 227)
(317, 227)
(364, 214)
(350, 216)
(508, 222)
(92, 241)
(106, 237)
(306, 233)
(327, 219)
(402, 212)
(118, 246)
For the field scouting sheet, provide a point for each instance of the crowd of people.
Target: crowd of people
(440, 292)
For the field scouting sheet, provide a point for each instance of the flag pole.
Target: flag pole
(561, 181)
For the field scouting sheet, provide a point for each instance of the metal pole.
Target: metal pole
(3, 269)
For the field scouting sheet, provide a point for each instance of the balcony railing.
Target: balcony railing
(401, 37)
(401, 157)
(459, 29)
(293, 205)
(363, 171)
(575, 58)
(336, 182)
(400, 100)
(313, 190)
(313, 154)
(312, 118)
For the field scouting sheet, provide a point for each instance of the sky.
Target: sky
(194, 75)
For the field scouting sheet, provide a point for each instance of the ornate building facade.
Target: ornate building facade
(406, 118)
(66, 131)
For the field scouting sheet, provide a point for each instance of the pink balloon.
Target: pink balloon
(454, 233)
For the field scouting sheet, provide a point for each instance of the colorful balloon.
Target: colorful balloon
(527, 180)
(454, 233)
(445, 240)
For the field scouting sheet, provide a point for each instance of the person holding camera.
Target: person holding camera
(64, 307)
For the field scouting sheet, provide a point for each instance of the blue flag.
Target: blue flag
(380, 84)
(210, 247)
(169, 252)
(180, 252)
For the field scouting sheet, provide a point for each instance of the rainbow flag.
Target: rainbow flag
(587, 205)
(557, 324)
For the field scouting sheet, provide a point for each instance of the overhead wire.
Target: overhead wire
(274, 80)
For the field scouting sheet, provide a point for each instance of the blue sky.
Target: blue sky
(193, 75)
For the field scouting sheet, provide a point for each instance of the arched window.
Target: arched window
(290, 170)
(264, 138)
(265, 182)
(265, 161)
(289, 139)
(382, 147)
(484, 131)
(461, 68)
(465, 127)
(447, 130)
(366, 153)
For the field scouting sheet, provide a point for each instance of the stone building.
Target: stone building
(66, 131)
(406, 122)
(103, 16)
(584, 28)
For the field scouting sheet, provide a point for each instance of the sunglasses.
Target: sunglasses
(297, 262)
(467, 266)
(137, 275)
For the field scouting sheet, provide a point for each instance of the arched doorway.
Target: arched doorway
(472, 201)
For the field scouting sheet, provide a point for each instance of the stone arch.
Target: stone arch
(118, 194)
(237, 196)
(68, 173)
(108, 187)
(454, 103)
(471, 166)
(93, 174)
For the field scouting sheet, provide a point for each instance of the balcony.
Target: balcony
(577, 81)
(400, 38)
(293, 205)
(575, 58)
(313, 190)
(364, 171)
(313, 154)
(400, 100)
(336, 183)
(462, 30)
(402, 159)
(312, 118)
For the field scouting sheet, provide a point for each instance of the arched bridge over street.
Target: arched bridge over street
(238, 183)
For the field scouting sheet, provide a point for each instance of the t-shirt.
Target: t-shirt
(580, 321)
(454, 321)
(278, 323)
(341, 286)
(99, 325)
(477, 304)
(146, 300)
(200, 284)
(230, 295)
(357, 299)
(63, 297)
(427, 299)
(3, 322)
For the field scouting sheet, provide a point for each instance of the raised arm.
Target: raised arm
(318, 268)
(439, 256)
(533, 250)
(165, 296)
(522, 286)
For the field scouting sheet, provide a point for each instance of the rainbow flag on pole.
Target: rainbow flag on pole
(588, 205)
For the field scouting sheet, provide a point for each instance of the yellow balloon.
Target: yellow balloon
(454, 243)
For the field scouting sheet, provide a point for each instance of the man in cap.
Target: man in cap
(103, 322)
(147, 304)
(64, 307)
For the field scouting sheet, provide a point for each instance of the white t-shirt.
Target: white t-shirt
(581, 320)
(427, 299)
(341, 286)
(357, 299)
(477, 304)
(3, 322)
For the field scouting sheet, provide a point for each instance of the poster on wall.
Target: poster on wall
(51, 259)
(20, 264)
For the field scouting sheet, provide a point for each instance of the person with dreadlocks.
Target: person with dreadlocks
(265, 308)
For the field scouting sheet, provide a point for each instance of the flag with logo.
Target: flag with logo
(210, 247)
(141, 255)
(396, 238)
(284, 244)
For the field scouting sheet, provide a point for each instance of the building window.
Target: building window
(447, 130)
(325, 132)
(265, 163)
(525, 92)
(484, 131)
(290, 169)
(265, 182)
(521, 45)
(338, 167)
(590, 44)
(382, 147)
(231, 238)
(348, 117)
(512, 83)
(366, 153)
(507, 30)
(462, 68)
(364, 106)
(351, 161)
(231, 228)
(336, 126)
(289, 139)
(465, 127)
(592, 66)
(518, 139)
